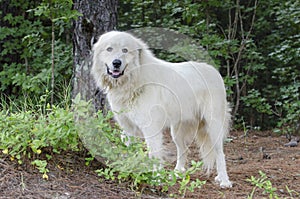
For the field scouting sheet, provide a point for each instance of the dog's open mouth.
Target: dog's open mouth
(115, 73)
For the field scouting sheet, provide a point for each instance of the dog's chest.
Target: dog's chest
(121, 100)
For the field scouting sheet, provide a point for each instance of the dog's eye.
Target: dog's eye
(109, 49)
(125, 50)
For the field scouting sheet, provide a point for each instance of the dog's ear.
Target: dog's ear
(143, 50)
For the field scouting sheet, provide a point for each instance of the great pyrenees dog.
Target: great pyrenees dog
(149, 95)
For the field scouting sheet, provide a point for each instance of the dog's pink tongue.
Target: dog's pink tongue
(116, 72)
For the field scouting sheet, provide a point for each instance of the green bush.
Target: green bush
(25, 57)
(34, 136)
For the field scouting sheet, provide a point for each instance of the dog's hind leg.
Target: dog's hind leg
(216, 133)
(222, 176)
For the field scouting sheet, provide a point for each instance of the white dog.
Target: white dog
(150, 95)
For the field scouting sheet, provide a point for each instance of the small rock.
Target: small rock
(292, 143)
(281, 191)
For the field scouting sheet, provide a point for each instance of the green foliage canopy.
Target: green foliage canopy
(255, 45)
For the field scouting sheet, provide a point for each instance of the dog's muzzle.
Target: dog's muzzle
(116, 72)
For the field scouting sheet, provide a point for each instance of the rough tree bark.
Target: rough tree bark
(98, 16)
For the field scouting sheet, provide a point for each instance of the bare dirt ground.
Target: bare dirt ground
(245, 155)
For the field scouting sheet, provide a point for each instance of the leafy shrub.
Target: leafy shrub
(256, 101)
(25, 61)
(26, 135)
(287, 104)
(35, 136)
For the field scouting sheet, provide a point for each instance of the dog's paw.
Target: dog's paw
(178, 173)
(224, 182)
(125, 138)
(179, 169)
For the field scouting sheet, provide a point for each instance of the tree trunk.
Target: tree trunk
(98, 16)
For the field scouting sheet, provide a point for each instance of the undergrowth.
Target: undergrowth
(35, 135)
(265, 185)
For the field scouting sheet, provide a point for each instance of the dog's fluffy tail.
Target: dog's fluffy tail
(207, 143)
(207, 151)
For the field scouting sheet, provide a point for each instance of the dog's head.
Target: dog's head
(116, 55)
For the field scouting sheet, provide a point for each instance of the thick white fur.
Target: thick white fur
(188, 98)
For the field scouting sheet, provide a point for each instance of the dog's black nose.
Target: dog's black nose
(117, 63)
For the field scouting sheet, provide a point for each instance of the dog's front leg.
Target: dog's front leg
(129, 129)
(154, 143)
(178, 139)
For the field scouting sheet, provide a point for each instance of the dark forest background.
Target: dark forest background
(255, 44)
